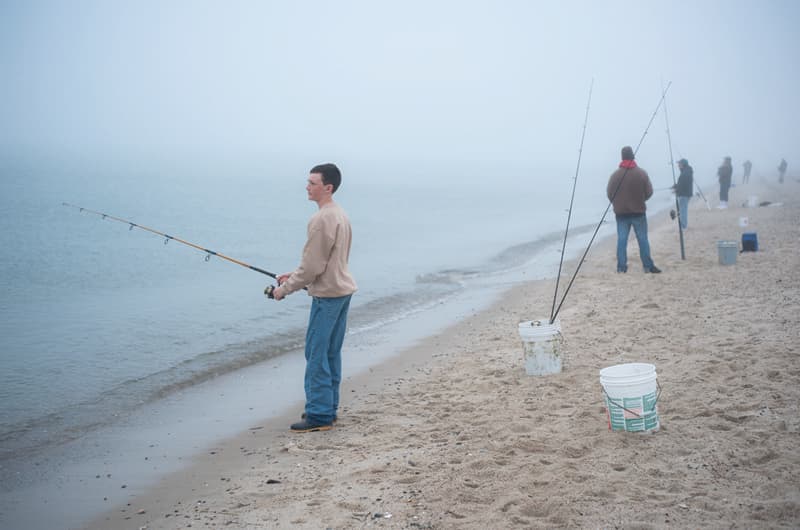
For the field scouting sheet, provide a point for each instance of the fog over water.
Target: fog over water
(209, 88)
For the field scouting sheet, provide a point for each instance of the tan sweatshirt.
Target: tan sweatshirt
(323, 268)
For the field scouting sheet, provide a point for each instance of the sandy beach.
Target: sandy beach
(454, 434)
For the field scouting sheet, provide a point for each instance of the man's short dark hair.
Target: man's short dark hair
(330, 175)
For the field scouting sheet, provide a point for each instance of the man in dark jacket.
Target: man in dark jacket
(683, 191)
(725, 172)
(628, 189)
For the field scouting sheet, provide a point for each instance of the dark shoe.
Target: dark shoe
(307, 426)
(654, 270)
(303, 416)
(622, 270)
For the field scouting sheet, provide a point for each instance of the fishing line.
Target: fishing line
(168, 238)
(571, 201)
(708, 206)
(674, 180)
(610, 203)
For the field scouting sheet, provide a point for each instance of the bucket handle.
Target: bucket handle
(658, 396)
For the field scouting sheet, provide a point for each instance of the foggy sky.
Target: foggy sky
(245, 84)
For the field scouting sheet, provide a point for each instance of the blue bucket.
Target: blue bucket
(749, 242)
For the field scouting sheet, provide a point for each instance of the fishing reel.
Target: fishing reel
(269, 290)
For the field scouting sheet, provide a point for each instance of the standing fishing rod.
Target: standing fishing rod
(168, 238)
(571, 201)
(602, 219)
(701, 195)
(674, 181)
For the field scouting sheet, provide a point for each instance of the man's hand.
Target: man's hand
(278, 293)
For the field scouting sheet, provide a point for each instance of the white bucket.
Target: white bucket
(542, 344)
(752, 201)
(631, 397)
(727, 251)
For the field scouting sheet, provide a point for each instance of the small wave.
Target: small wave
(378, 319)
(73, 420)
(447, 277)
(517, 255)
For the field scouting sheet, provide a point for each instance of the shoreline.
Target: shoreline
(63, 424)
(261, 464)
(452, 433)
(83, 478)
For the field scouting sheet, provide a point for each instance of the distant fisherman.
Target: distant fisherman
(628, 189)
(324, 271)
(748, 167)
(684, 191)
(724, 174)
(782, 170)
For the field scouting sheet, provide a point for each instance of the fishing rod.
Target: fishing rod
(571, 201)
(699, 191)
(701, 194)
(168, 238)
(610, 203)
(674, 181)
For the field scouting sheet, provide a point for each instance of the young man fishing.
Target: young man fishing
(323, 270)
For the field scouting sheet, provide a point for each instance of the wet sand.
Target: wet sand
(454, 434)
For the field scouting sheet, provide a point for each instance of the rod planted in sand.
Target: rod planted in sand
(674, 181)
(571, 201)
(602, 219)
(701, 195)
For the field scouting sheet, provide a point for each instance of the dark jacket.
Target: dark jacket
(685, 182)
(634, 190)
(724, 173)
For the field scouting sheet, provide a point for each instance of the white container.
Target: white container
(743, 222)
(542, 345)
(727, 251)
(752, 201)
(631, 397)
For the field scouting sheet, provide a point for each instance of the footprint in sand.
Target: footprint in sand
(535, 510)
(576, 452)
(718, 427)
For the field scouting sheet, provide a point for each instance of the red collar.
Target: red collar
(628, 164)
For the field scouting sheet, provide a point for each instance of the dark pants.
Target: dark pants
(724, 186)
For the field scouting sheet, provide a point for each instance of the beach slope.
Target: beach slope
(456, 435)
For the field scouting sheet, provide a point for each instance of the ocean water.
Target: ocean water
(98, 319)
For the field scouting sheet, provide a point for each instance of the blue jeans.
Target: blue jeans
(683, 211)
(324, 337)
(639, 224)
